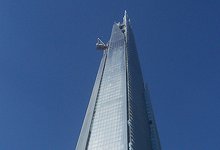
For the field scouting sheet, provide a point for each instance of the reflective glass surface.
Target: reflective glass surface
(108, 129)
(119, 115)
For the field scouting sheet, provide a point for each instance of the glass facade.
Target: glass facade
(119, 115)
(108, 128)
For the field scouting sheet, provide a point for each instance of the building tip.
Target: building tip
(125, 18)
(125, 13)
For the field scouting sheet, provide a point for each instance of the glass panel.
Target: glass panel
(109, 122)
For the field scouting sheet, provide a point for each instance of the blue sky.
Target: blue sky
(48, 65)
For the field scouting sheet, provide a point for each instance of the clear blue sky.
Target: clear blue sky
(48, 65)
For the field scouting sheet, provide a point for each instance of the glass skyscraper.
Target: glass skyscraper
(119, 115)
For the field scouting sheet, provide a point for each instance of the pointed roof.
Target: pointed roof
(126, 18)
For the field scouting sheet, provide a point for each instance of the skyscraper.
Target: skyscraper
(119, 115)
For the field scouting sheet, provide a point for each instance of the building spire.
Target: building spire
(125, 18)
(125, 23)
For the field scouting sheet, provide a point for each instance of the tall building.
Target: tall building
(119, 115)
